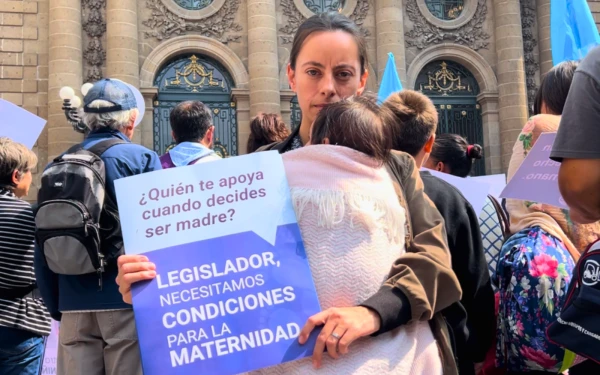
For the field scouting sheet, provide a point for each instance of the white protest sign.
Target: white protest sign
(51, 351)
(536, 180)
(178, 203)
(19, 124)
(475, 192)
(497, 183)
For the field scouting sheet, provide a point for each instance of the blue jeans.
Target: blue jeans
(21, 352)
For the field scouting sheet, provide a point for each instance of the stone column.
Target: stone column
(242, 104)
(512, 91)
(491, 132)
(122, 41)
(64, 69)
(262, 57)
(286, 106)
(543, 21)
(390, 36)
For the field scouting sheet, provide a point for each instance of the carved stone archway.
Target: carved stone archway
(488, 97)
(193, 44)
(203, 46)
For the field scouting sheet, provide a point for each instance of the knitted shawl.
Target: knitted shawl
(352, 225)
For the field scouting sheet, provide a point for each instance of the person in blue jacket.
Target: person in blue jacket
(97, 331)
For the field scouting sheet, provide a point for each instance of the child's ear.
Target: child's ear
(325, 141)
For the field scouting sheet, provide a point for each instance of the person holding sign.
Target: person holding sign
(328, 62)
(350, 217)
(536, 263)
(24, 320)
(472, 320)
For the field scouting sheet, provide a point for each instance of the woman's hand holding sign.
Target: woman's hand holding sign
(133, 268)
(341, 327)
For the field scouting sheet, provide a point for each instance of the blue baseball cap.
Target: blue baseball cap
(111, 90)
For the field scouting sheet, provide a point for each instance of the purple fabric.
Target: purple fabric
(166, 162)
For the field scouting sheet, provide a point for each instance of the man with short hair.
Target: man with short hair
(97, 332)
(193, 131)
(472, 320)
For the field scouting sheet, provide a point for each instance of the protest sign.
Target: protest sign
(51, 351)
(497, 183)
(19, 124)
(536, 180)
(233, 286)
(475, 192)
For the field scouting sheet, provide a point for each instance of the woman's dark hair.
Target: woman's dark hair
(554, 88)
(357, 123)
(330, 21)
(265, 129)
(190, 121)
(456, 153)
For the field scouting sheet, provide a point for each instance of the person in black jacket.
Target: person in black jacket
(472, 320)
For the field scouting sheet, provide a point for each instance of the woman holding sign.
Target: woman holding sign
(328, 63)
(536, 263)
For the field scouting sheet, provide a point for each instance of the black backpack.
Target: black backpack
(577, 328)
(78, 228)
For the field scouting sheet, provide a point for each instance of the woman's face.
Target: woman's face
(327, 70)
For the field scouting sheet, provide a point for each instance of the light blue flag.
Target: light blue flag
(390, 83)
(573, 32)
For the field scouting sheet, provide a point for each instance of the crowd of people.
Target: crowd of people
(448, 304)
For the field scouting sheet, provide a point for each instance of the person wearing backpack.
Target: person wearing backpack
(537, 262)
(24, 320)
(193, 130)
(78, 237)
(472, 320)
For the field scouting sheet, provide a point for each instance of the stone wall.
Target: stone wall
(24, 64)
(595, 8)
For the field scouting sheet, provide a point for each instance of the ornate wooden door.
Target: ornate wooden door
(192, 78)
(453, 90)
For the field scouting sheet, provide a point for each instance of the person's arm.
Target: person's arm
(421, 281)
(579, 182)
(576, 144)
(47, 283)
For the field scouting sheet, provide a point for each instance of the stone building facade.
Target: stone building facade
(479, 60)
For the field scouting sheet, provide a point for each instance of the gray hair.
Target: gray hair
(113, 120)
(14, 156)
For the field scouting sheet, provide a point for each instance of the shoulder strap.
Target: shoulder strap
(502, 217)
(101, 147)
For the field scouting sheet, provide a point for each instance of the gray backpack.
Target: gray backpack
(78, 228)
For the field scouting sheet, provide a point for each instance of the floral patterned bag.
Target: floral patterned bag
(533, 275)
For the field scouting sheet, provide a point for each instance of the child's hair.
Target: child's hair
(414, 120)
(357, 123)
(456, 153)
(265, 129)
(14, 156)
